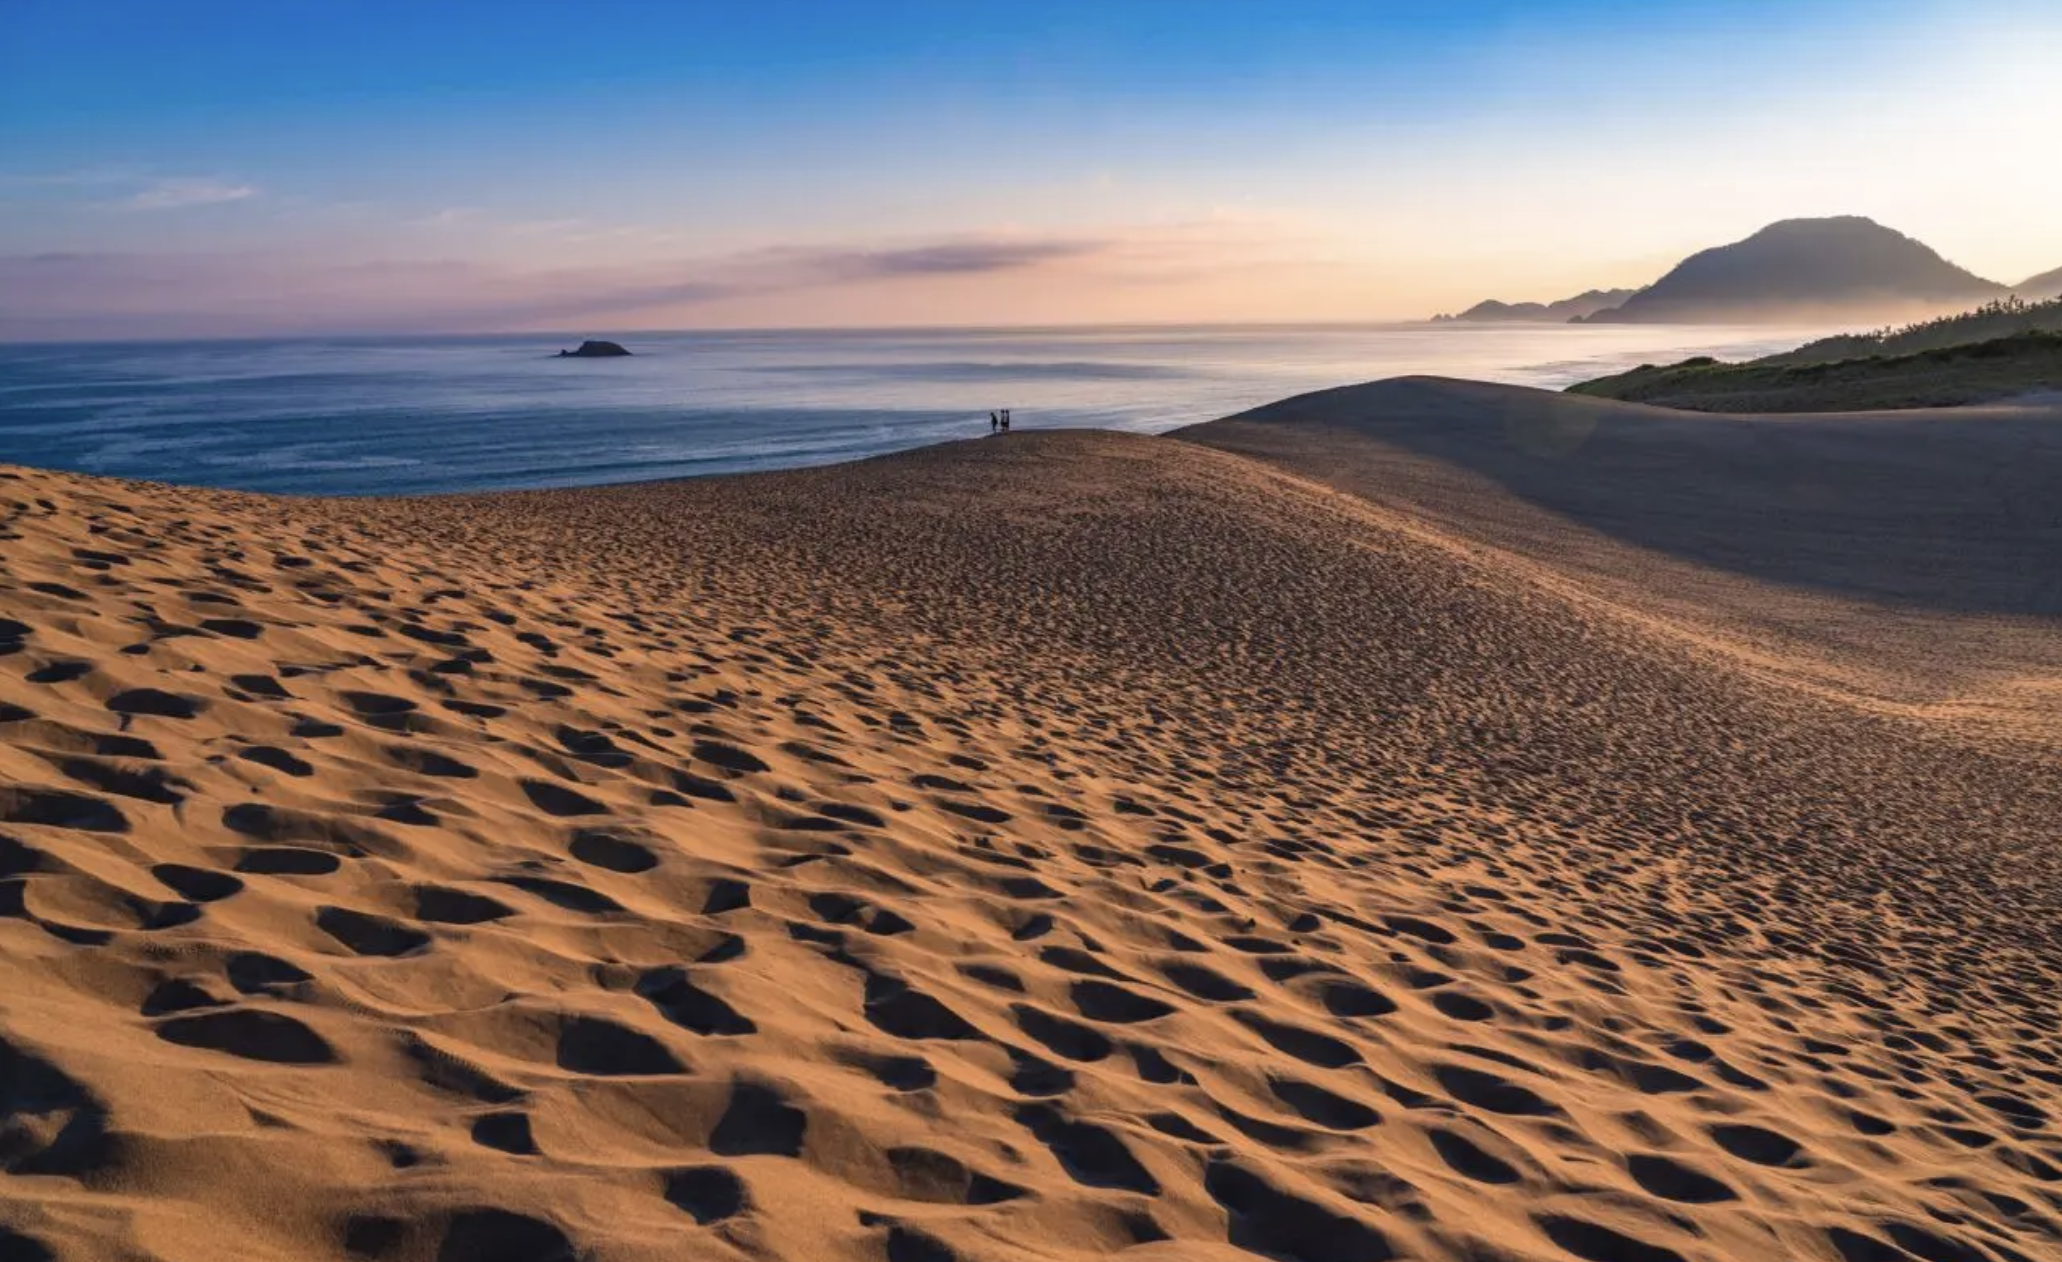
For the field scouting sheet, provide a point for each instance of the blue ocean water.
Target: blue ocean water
(417, 415)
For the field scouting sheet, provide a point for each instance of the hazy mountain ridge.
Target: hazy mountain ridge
(1804, 267)
(1846, 267)
(2040, 288)
(1491, 311)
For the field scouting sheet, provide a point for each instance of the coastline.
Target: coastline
(398, 415)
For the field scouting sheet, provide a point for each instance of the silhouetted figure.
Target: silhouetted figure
(1005, 420)
(995, 422)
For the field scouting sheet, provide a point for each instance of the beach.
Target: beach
(1429, 820)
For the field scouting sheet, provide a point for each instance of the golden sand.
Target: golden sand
(1059, 846)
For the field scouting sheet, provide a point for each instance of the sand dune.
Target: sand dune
(1907, 556)
(1061, 846)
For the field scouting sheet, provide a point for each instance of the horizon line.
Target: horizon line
(1426, 323)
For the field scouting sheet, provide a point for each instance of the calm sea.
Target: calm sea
(414, 415)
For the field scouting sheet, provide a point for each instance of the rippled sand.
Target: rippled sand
(1059, 846)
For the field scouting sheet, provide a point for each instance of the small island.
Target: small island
(595, 350)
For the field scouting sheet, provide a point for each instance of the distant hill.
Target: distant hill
(2001, 318)
(2040, 288)
(1950, 376)
(1797, 269)
(1567, 309)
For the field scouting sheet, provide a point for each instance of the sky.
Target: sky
(272, 167)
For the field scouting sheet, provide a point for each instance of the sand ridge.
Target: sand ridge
(1901, 560)
(1052, 847)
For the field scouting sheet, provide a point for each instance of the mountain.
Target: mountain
(1797, 269)
(1567, 309)
(2040, 288)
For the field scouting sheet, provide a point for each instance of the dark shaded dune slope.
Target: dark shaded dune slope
(1957, 509)
(1920, 549)
(1063, 846)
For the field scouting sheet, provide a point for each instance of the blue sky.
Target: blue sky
(299, 165)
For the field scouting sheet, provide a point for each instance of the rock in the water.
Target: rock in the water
(595, 350)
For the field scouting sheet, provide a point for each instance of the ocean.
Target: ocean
(404, 416)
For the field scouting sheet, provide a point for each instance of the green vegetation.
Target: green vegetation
(2002, 318)
(2000, 349)
(1938, 376)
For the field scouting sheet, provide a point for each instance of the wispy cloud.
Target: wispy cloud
(452, 217)
(84, 176)
(957, 258)
(163, 294)
(128, 188)
(569, 294)
(179, 192)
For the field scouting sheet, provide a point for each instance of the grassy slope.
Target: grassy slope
(2002, 318)
(1941, 376)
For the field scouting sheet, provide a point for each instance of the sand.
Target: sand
(1899, 559)
(1055, 846)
